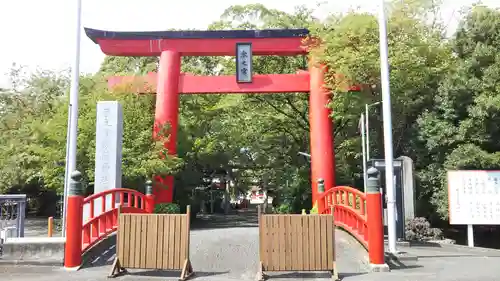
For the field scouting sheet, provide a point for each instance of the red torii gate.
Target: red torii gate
(169, 82)
(352, 208)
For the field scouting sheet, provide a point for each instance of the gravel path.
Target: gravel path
(223, 248)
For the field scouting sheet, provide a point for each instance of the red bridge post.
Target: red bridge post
(375, 220)
(150, 198)
(74, 218)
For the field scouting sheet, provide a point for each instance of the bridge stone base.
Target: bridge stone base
(379, 267)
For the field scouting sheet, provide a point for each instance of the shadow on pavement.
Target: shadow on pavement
(457, 256)
(102, 254)
(310, 275)
(172, 274)
(235, 219)
(350, 274)
(299, 275)
(404, 266)
(424, 244)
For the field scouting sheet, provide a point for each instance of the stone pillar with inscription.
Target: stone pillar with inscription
(408, 185)
(108, 151)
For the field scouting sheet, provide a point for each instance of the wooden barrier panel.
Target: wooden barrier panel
(296, 243)
(153, 241)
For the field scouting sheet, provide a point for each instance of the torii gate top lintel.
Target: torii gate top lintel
(281, 42)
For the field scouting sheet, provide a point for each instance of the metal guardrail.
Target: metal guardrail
(12, 212)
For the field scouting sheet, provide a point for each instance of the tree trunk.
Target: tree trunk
(265, 204)
(264, 189)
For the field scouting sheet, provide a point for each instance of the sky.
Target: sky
(39, 34)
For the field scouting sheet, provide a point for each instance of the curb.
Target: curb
(399, 243)
(432, 244)
(454, 246)
(57, 263)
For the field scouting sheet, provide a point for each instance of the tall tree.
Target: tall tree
(34, 121)
(461, 130)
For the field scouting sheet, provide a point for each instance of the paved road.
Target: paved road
(225, 248)
(447, 263)
(222, 248)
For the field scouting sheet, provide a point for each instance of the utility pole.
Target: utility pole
(387, 121)
(365, 178)
(367, 106)
(73, 109)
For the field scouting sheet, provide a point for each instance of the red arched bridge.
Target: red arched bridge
(98, 227)
(350, 206)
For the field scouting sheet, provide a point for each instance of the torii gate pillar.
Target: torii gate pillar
(167, 114)
(321, 130)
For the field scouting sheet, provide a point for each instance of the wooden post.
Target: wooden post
(188, 214)
(187, 268)
(74, 209)
(375, 218)
(260, 270)
(117, 268)
(335, 274)
(150, 198)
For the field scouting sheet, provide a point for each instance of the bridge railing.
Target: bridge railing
(359, 214)
(349, 207)
(102, 211)
(80, 235)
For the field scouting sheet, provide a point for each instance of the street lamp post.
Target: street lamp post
(363, 146)
(73, 110)
(387, 122)
(306, 155)
(367, 107)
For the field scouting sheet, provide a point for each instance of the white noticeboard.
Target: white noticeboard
(474, 197)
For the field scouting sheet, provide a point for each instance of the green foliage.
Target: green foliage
(283, 209)
(34, 122)
(461, 130)
(419, 58)
(314, 209)
(419, 229)
(25, 118)
(167, 208)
